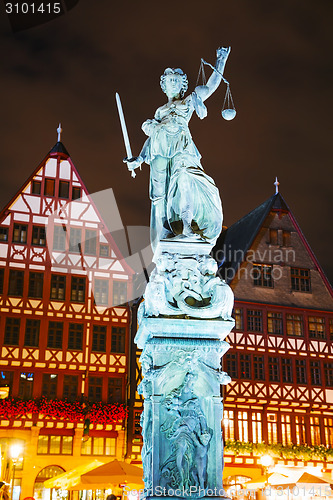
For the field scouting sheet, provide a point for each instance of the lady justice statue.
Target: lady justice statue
(185, 202)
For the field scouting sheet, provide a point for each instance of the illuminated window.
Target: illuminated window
(90, 242)
(286, 429)
(58, 287)
(104, 250)
(254, 320)
(78, 289)
(328, 427)
(300, 429)
(300, 280)
(256, 427)
(49, 187)
(75, 238)
(31, 337)
(301, 376)
(55, 445)
(315, 372)
(2, 275)
(118, 339)
(231, 364)
(259, 367)
(49, 385)
(316, 327)
(99, 338)
(328, 368)
(287, 370)
(63, 189)
(262, 275)
(12, 331)
(95, 385)
(119, 295)
(101, 292)
(115, 390)
(3, 233)
(330, 324)
(20, 233)
(238, 315)
(26, 385)
(315, 430)
(294, 324)
(76, 193)
(273, 236)
(6, 380)
(99, 446)
(274, 369)
(15, 286)
(75, 336)
(36, 187)
(70, 387)
(245, 366)
(272, 428)
(274, 323)
(54, 337)
(38, 236)
(229, 424)
(36, 285)
(59, 238)
(243, 426)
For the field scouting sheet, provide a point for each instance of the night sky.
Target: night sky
(280, 70)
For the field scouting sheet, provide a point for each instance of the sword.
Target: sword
(124, 130)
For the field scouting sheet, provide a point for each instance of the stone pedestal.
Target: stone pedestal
(182, 376)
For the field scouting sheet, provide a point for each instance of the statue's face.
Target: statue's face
(173, 85)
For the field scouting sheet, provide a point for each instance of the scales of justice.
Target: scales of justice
(186, 312)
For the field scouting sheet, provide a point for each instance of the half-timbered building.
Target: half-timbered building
(64, 325)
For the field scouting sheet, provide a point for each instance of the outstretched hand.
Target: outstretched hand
(223, 52)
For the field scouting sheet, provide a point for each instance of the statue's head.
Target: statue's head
(174, 82)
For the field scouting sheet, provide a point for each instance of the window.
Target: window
(3, 233)
(38, 236)
(26, 385)
(254, 320)
(99, 446)
(259, 367)
(75, 336)
(315, 372)
(12, 331)
(330, 324)
(118, 339)
(59, 238)
(63, 189)
(36, 285)
(272, 428)
(238, 315)
(300, 280)
(31, 337)
(119, 293)
(71, 385)
(78, 289)
(76, 193)
(49, 385)
(300, 429)
(90, 242)
(286, 429)
(6, 380)
(256, 427)
(274, 323)
(301, 377)
(115, 390)
(99, 338)
(54, 338)
(328, 428)
(315, 430)
(58, 287)
(316, 327)
(243, 426)
(95, 385)
(286, 238)
(294, 325)
(245, 366)
(328, 368)
(274, 369)
(55, 445)
(2, 275)
(75, 238)
(287, 370)
(101, 292)
(15, 286)
(262, 275)
(49, 187)
(104, 250)
(20, 233)
(273, 236)
(36, 187)
(231, 364)
(229, 424)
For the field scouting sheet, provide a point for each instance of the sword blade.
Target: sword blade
(123, 127)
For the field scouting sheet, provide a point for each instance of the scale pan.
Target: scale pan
(228, 114)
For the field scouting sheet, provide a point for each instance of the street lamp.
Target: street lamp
(266, 462)
(15, 452)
